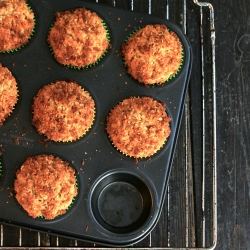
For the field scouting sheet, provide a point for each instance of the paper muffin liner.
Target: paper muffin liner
(14, 106)
(73, 201)
(31, 35)
(140, 157)
(46, 138)
(172, 76)
(11, 112)
(89, 65)
(132, 156)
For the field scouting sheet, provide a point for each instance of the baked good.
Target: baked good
(63, 111)
(45, 186)
(152, 54)
(78, 38)
(16, 24)
(8, 93)
(138, 126)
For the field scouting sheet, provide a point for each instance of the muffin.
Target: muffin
(63, 111)
(153, 54)
(45, 186)
(8, 93)
(16, 24)
(78, 38)
(138, 126)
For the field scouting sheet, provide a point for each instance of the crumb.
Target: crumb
(16, 122)
(118, 90)
(16, 141)
(43, 141)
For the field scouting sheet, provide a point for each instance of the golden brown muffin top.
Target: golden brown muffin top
(138, 126)
(16, 24)
(8, 93)
(152, 54)
(45, 186)
(78, 38)
(63, 111)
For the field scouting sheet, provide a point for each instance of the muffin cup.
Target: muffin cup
(121, 202)
(86, 129)
(74, 199)
(15, 106)
(31, 35)
(133, 156)
(171, 77)
(104, 24)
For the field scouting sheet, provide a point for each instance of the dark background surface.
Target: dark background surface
(180, 226)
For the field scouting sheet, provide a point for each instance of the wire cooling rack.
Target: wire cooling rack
(198, 216)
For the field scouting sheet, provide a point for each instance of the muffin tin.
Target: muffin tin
(119, 199)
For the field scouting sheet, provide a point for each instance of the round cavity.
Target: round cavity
(121, 202)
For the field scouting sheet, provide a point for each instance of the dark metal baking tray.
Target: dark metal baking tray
(119, 200)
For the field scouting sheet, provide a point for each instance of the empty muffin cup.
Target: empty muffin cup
(121, 202)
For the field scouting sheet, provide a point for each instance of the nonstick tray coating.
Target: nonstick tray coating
(119, 200)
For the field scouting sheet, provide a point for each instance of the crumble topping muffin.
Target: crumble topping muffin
(152, 54)
(8, 93)
(63, 111)
(138, 126)
(78, 38)
(16, 24)
(45, 186)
